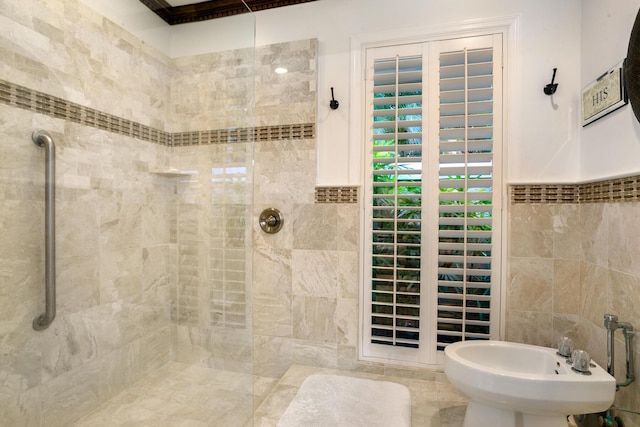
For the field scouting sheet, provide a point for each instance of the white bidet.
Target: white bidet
(511, 384)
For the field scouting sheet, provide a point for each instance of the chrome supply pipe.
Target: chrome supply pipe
(628, 332)
(43, 139)
(611, 324)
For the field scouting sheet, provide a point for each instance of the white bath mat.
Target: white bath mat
(332, 400)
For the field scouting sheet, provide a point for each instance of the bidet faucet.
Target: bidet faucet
(565, 347)
(611, 324)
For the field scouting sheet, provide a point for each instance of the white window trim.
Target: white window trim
(508, 27)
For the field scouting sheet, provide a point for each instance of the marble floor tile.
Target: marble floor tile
(181, 395)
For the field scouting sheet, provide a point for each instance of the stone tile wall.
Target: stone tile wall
(115, 238)
(569, 264)
(216, 308)
(65, 49)
(114, 256)
(305, 276)
(151, 266)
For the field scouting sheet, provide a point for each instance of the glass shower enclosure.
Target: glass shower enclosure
(152, 222)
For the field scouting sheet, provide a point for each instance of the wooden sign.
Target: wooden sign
(606, 94)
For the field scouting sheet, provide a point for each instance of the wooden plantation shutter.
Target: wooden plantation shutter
(396, 203)
(430, 251)
(468, 219)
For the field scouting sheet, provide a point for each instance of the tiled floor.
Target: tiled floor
(183, 396)
(434, 402)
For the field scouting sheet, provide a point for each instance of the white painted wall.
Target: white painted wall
(544, 145)
(611, 145)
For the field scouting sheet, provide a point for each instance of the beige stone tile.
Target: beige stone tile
(156, 216)
(230, 348)
(416, 374)
(272, 315)
(272, 356)
(452, 415)
(314, 319)
(183, 422)
(315, 227)
(448, 393)
(315, 354)
(263, 421)
(285, 176)
(427, 415)
(155, 350)
(156, 275)
(77, 284)
(347, 321)
(69, 343)
(423, 393)
(262, 386)
(272, 270)
(315, 273)
(348, 227)
(71, 395)
(530, 285)
(77, 228)
(347, 357)
(530, 327)
(566, 287)
(277, 402)
(624, 251)
(595, 292)
(21, 360)
(194, 413)
(120, 224)
(624, 296)
(531, 232)
(348, 274)
(21, 224)
(566, 325)
(566, 232)
(594, 233)
(121, 275)
(19, 407)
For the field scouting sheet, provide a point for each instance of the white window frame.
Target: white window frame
(507, 27)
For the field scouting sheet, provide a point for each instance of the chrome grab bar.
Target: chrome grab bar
(43, 139)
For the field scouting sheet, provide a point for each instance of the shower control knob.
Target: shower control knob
(271, 220)
(581, 362)
(565, 347)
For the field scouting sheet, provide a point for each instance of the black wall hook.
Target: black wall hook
(550, 89)
(333, 103)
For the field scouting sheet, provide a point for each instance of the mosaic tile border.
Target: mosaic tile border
(544, 194)
(258, 134)
(337, 194)
(38, 102)
(625, 189)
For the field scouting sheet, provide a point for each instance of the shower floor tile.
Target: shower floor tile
(182, 395)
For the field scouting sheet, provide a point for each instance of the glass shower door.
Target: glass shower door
(153, 204)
